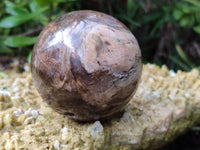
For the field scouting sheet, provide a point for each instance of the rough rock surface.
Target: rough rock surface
(164, 106)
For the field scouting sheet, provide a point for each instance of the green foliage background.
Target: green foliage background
(168, 31)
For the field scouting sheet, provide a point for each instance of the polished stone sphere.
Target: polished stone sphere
(86, 65)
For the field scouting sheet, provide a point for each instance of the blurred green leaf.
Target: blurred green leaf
(34, 6)
(43, 2)
(5, 50)
(185, 21)
(29, 57)
(186, 9)
(132, 8)
(2, 74)
(197, 16)
(197, 29)
(42, 19)
(19, 41)
(178, 62)
(1, 40)
(13, 21)
(183, 56)
(150, 18)
(67, 1)
(158, 25)
(3, 47)
(130, 5)
(15, 10)
(62, 1)
(194, 2)
(129, 20)
(177, 14)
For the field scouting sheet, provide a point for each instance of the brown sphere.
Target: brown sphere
(86, 65)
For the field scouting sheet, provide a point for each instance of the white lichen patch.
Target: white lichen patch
(40, 117)
(28, 112)
(187, 95)
(5, 95)
(7, 120)
(18, 112)
(34, 113)
(1, 123)
(151, 79)
(56, 144)
(95, 130)
(26, 68)
(172, 73)
(127, 118)
(65, 130)
(15, 90)
(134, 140)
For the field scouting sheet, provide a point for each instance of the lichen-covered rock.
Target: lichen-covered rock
(165, 105)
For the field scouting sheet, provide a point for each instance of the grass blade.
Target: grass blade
(183, 56)
(176, 61)
(195, 3)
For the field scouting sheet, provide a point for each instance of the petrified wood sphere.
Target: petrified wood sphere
(86, 65)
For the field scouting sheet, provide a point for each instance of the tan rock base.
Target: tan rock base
(166, 104)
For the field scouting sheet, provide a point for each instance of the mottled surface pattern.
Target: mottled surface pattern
(86, 65)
